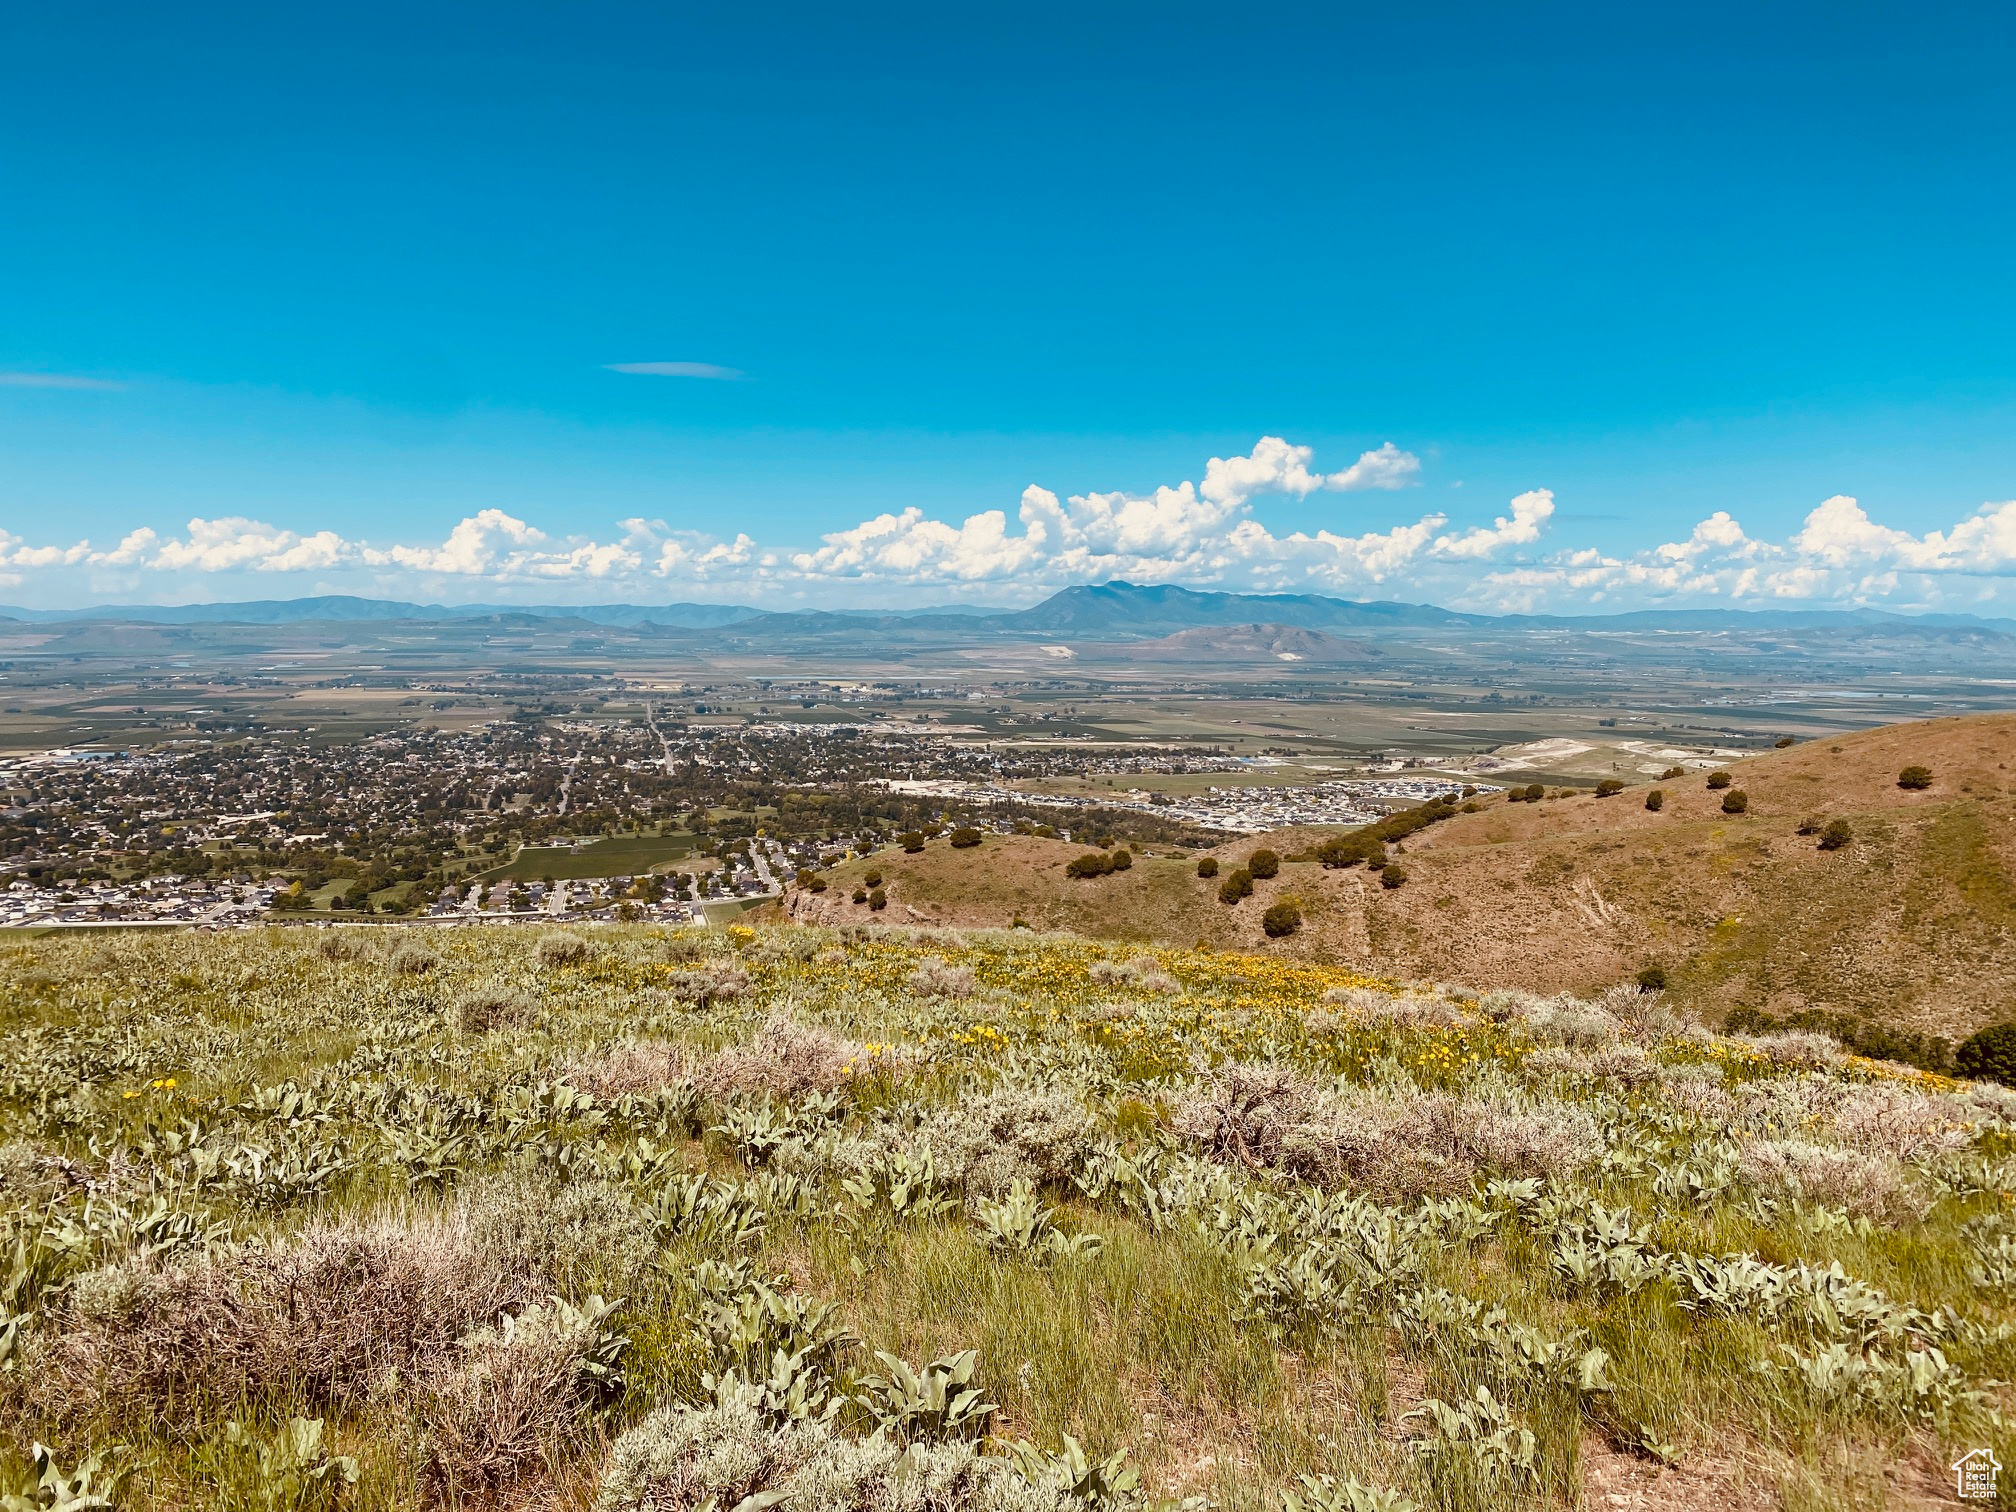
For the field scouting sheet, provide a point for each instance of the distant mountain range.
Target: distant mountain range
(1106, 610)
(343, 608)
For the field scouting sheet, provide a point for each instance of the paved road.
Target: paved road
(651, 719)
(567, 784)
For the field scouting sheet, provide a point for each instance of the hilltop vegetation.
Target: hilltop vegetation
(876, 1219)
(1908, 922)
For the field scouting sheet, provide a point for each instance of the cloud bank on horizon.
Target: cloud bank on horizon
(1197, 534)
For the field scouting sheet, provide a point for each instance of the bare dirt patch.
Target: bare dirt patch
(1614, 1479)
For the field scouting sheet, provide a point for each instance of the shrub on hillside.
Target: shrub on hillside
(935, 978)
(1671, 772)
(1350, 850)
(1123, 859)
(1656, 799)
(1799, 1049)
(1653, 978)
(986, 1144)
(1143, 972)
(965, 837)
(1783, 742)
(1915, 778)
(1411, 1010)
(313, 1322)
(1207, 866)
(1095, 864)
(1535, 791)
(878, 899)
(1718, 781)
(1735, 801)
(727, 1455)
(1369, 842)
(912, 840)
(1875, 1041)
(1244, 1111)
(562, 950)
(340, 945)
(639, 1066)
(1237, 885)
(496, 1410)
(1281, 920)
(709, 982)
(1609, 787)
(1263, 864)
(1868, 1186)
(477, 1010)
(1393, 875)
(1571, 1022)
(785, 1059)
(573, 1236)
(411, 958)
(1430, 1144)
(1836, 834)
(1989, 1055)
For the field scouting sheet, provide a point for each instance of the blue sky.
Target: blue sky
(293, 295)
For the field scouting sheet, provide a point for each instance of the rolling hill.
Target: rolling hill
(1912, 925)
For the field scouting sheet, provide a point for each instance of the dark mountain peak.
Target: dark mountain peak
(1159, 608)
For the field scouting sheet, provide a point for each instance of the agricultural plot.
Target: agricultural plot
(611, 856)
(633, 1220)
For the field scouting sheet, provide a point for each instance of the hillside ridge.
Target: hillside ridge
(1911, 925)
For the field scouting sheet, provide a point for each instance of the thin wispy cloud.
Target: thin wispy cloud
(55, 381)
(678, 370)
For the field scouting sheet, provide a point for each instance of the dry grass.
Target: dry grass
(321, 1320)
(478, 1010)
(785, 1059)
(499, 1409)
(639, 1066)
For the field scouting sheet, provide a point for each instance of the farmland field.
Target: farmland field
(611, 856)
(629, 1219)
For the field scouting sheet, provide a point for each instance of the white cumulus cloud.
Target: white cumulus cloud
(1178, 532)
(1388, 467)
(1838, 555)
(1530, 513)
(1204, 532)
